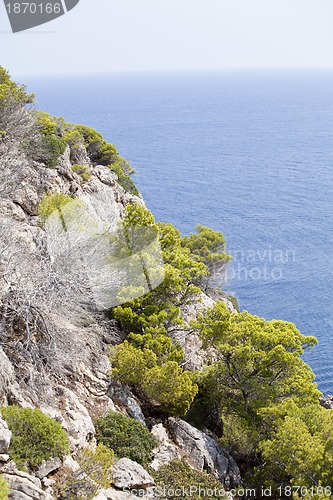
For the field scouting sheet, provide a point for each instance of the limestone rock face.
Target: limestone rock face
(47, 467)
(129, 475)
(204, 452)
(5, 437)
(166, 451)
(125, 400)
(54, 356)
(23, 486)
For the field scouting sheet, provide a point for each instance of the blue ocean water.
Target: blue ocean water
(248, 153)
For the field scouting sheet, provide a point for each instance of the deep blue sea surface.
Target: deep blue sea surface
(248, 153)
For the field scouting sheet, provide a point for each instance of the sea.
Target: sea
(249, 153)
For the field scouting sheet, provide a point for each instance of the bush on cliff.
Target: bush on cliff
(99, 151)
(208, 246)
(191, 483)
(50, 148)
(165, 386)
(94, 474)
(82, 170)
(11, 91)
(269, 403)
(4, 489)
(52, 202)
(126, 436)
(35, 437)
(159, 310)
(123, 179)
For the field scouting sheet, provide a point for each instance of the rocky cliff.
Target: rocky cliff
(54, 341)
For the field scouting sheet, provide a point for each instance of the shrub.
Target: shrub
(73, 138)
(11, 90)
(82, 171)
(99, 151)
(51, 147)
(178, 475)
(95, 473)
(120, 168)
(52, 202)
(170, 388)
(4, 489)
(47, 124)
(166, 386)
(126, 436)
(35, 438)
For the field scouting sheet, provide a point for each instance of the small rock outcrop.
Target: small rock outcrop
(125, 400)
(204, 452)
(327, 402)
(5, 437)
(23, 486)
(47, 467)
(130, 475)
(166, 451)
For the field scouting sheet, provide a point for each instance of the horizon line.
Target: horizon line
(180, 70)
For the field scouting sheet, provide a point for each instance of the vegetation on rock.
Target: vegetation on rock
(208, 246)
(178, 476)
(35, 437)
(126, 437)
(52, 202)
(95, 473)
(4, 489)
(82, 170)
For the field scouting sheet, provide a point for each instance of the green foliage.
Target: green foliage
(161, 345)
(267, 396)
(126, 436)
(130, 364)
(10, 90)
(51, 144)
(159, 310)
(298, 449)
(47, 124)
(82, 170)
(208, 247)
(4, 489)
(148, 361)
(170, 388)
(119, 167)
(99, 151)
(95, 473)
(73, 138)
(52, 202)
(35, 438)
(90, 135)
(205, 411)
(165, 385)
(51, 147)
(258, 362)
(179, 476)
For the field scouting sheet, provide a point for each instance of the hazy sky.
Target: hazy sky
(108, 35)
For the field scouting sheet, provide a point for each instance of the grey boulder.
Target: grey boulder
(5, 436)
(129, 475)
(204, 452)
